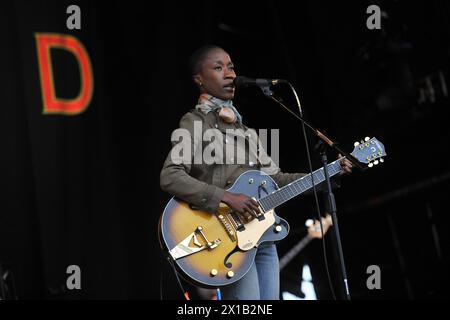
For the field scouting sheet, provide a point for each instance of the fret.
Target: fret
(262, 205)
(296, 189)
(289, 191)
(298, 186)
(280, 197)
(271, 202)
(301, 185)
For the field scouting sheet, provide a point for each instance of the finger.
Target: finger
(248, 216)
(346, 164)
(251, 202)
(254, 205)
(255, 210)
(248, 212)
(240, 209)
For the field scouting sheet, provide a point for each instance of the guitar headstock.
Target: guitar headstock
(314, 227)
(369, 151)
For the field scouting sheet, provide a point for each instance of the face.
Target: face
(216, 75)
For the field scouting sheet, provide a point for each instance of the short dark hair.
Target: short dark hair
(198, 56)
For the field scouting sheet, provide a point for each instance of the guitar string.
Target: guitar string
(283, 194)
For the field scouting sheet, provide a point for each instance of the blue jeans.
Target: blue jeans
(262, 281)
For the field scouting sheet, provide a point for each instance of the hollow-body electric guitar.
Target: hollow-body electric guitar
(214, 250)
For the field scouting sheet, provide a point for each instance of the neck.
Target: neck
(207, 97)
(298, 186)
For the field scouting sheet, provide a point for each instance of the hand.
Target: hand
(242, 204)
(346, 166)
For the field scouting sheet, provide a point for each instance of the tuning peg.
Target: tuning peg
(370, 165)
(381, 160)
(375, 162)
(356, 144)
(366, 139)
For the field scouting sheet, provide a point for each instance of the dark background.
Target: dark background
(84, 189)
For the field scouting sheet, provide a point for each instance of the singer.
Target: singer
(204, 185)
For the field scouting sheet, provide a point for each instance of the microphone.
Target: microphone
(242, 82)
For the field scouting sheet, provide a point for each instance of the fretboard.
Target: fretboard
(294, 251)
(297, 187)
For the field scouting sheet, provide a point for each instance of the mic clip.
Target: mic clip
(266, 90)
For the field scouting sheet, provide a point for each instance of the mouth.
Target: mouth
(229, 87)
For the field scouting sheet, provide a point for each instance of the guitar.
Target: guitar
(314, 232)
(214, 250)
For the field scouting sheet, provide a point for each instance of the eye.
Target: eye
(231, 68)
(218, 68)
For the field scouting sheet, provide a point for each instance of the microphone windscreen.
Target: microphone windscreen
(241, 81)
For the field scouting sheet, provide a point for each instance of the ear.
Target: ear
(197, 79)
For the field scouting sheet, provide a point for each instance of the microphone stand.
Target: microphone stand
(334, 145)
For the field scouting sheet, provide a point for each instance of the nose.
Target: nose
(230, 74)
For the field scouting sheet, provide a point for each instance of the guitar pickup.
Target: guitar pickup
(237, 221)
(260, 215)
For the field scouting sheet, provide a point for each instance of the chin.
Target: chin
(228, 96)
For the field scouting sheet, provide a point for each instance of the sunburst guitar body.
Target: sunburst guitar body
(214, 250)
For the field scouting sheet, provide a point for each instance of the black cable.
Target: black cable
(308, 154)
(2, 284)
(170, 260)
(161, 285)
(13, 281)
(178, 279)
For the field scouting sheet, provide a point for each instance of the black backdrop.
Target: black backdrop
(84, 189)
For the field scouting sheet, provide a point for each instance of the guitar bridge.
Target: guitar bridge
(228, 227)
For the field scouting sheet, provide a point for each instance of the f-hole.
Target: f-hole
(225, 261)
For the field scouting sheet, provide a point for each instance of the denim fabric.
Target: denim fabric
(262, 281)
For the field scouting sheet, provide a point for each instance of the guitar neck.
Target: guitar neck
(298, 186)
(294, 251)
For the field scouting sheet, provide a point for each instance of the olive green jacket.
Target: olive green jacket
(202, 184)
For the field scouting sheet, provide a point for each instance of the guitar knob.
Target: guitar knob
(381, 160)
(213, 272)
(278, 229)
(366, 139)
(375, 162)
(356, 144)
(370, 165)
(230, 274)
(309, 223)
